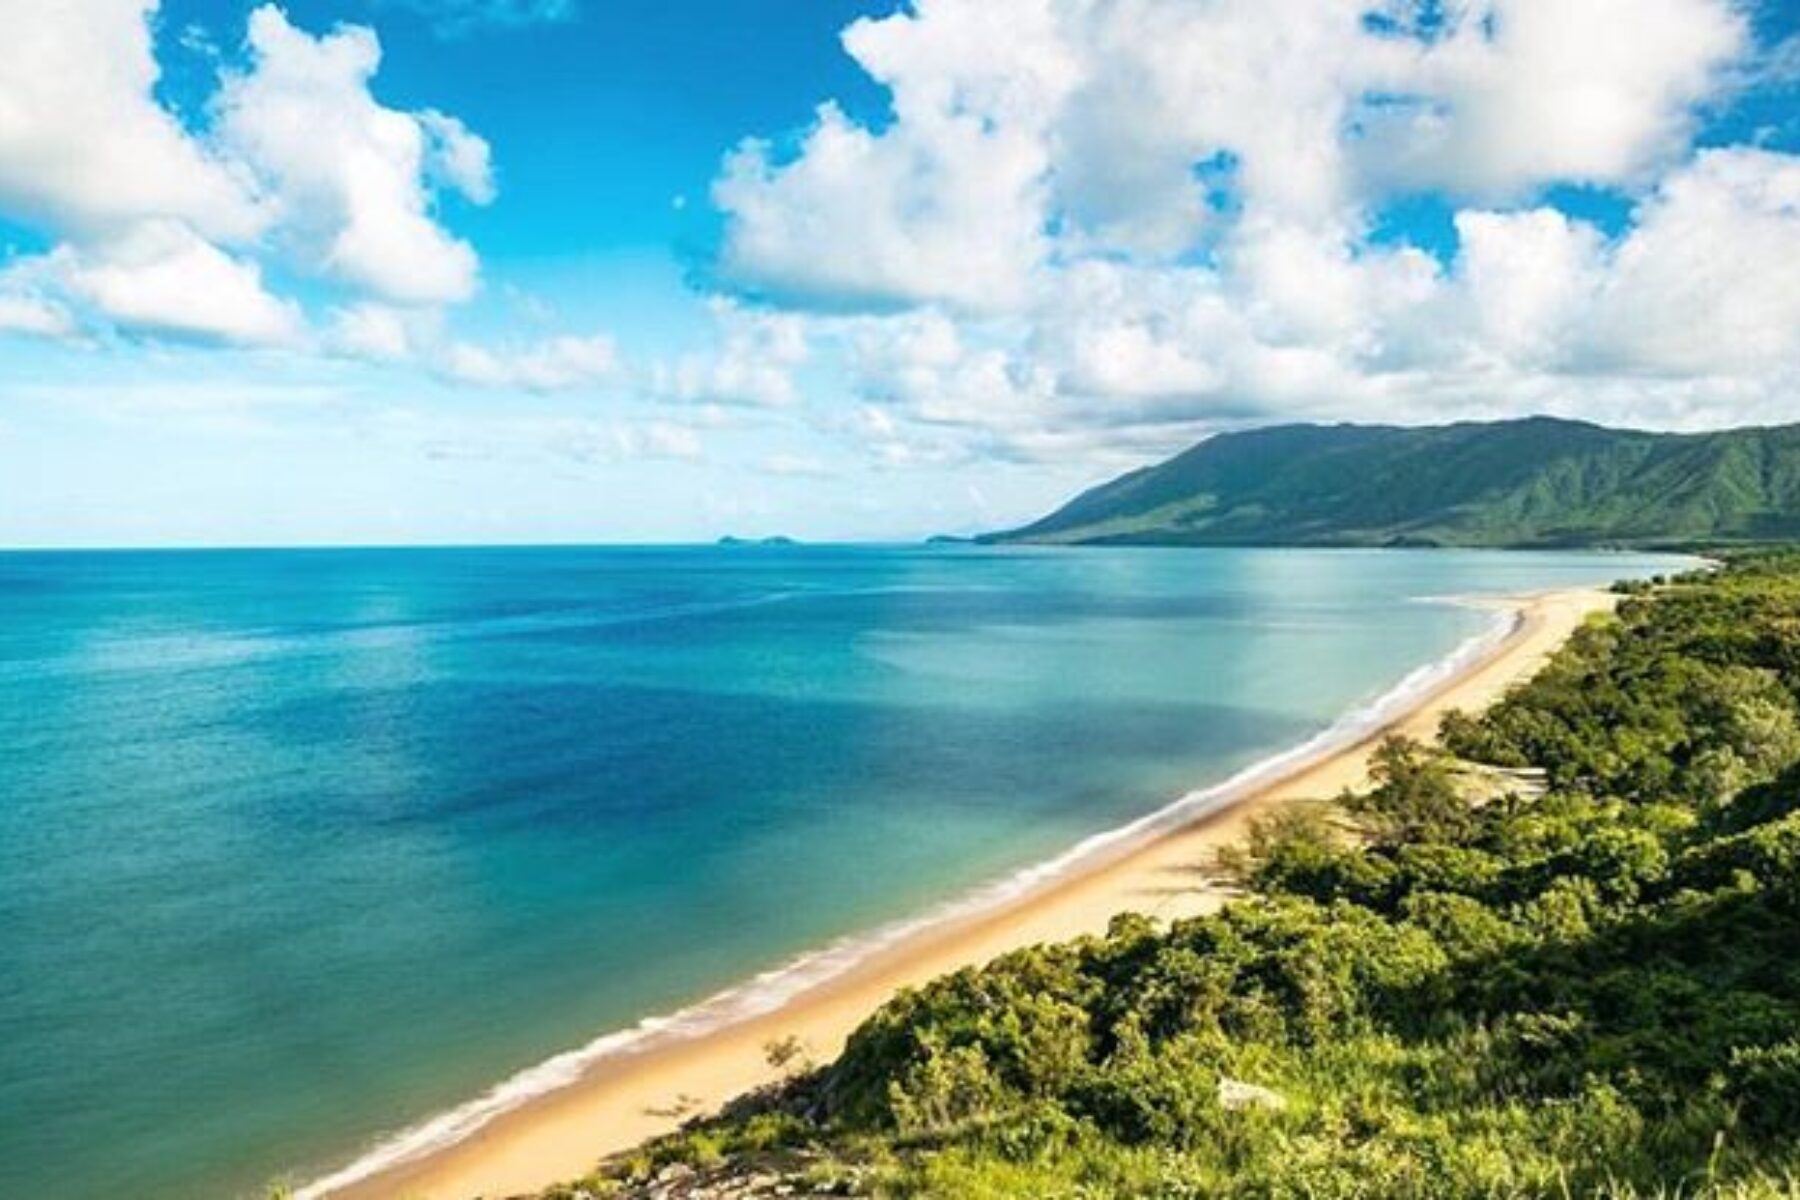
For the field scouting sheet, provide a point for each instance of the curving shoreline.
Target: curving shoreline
(553, 1122)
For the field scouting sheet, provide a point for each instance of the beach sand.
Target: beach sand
(651, 1088)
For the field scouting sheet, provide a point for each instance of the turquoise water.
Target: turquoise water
(298, 847)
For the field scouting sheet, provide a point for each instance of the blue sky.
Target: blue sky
(614, 270)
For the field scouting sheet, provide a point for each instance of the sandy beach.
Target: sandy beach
(649, 1089)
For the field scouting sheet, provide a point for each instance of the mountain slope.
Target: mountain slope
(1532, 482)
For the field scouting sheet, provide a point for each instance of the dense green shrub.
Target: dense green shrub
(1593, 991)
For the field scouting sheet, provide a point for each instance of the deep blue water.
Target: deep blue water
(301, 846)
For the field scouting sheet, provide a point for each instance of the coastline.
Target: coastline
(630, 1086)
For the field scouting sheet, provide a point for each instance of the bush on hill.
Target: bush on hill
(1593, 991)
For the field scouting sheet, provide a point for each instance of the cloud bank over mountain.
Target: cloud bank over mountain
(1140, 213)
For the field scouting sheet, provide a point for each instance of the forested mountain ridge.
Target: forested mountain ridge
(1536, 482)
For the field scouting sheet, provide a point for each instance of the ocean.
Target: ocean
(302, 848)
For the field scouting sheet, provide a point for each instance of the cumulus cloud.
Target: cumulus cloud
(1260, 93)
(1698, 286)
(949, 211)
(554, 364)
(84, 145)
(457, 158)
(376, 332)
(1027, 129)
(350, 177)
(23, 313)
(1686, 318)
(382, 332)
(164, 229)
(753, 364)
(88, 154)
(161, 277)
(1016, 120)
(1527, 281)
(1703, 284)
(928, 370)
(1082, 227)
(1522, 91)
(948, 203)
(1086, 225)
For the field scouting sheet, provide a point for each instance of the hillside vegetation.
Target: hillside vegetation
(1535, 482)
(1588, 986)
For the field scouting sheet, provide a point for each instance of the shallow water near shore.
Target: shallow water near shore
(297, 847)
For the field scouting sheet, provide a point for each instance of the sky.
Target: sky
(425, 271)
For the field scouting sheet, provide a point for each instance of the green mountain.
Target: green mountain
(1532, 482)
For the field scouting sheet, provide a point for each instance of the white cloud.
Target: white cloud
(382, 332)
(1263, 90)
(1301, 284)
(926, 369)
(1704, 283)
(84, 145)
(351, 177)
(23, 312)
(1092, 225)
(1699, 285)
(1084, 227)
(946, 204)
(949, 212)
(554, 364)
(1027, 128)
(385, 333)
(754, 363)
(160, 277)
(165, 230)
(1025, 131)
(1688, 318)
(1528, 280)
(1522, 91)
(457, 158)
(568, 361)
